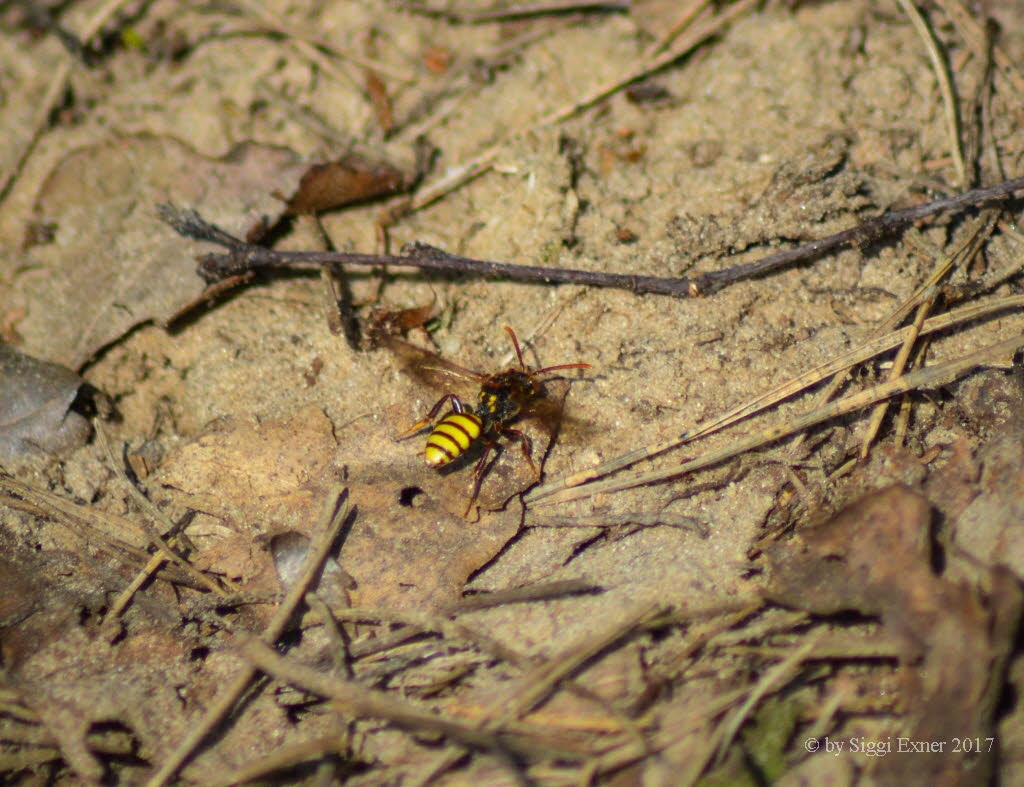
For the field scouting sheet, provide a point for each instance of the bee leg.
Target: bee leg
(478, 475)
(457, 406)
(526, 445)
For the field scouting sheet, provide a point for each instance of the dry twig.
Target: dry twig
(242, 256)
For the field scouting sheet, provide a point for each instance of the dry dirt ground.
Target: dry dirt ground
(801, 612)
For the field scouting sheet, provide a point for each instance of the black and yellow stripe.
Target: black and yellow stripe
(453, 435)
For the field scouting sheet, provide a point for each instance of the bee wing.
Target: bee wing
(549, 407)
(549, 410)
(429, 367)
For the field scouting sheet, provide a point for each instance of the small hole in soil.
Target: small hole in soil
(408, 495)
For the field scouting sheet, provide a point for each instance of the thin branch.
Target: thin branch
(242, 257)
(871, 231)
(518, 11)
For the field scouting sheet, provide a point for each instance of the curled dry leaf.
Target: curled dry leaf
(859, 560)
(35, 408)
(352, 178)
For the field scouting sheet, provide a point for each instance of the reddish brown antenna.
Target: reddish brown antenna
(522, 364)
(515, 343)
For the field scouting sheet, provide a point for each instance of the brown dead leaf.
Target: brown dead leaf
(859, 560)
(352, 178)
(114, 264)
(875, 558)
(987, 524)
(384, 323)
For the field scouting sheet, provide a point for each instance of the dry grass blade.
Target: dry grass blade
(946, 86)
(313, 48)
(539, 592)
(635, 519)
(685, 19)
(417, 623)
(773, 680)
(445, 761)
(899, 364)
(420, 623)
(287, 757)
(976, 38)
(327, 531)
(124, 599)
(55, 94)
(460, 174)
(123, 537)
(974, 237)
(546, 677)
(357, 701)
(931, 377)
(924, 298)
(692, 39)
(520, 10)
(164, 549)
(845, 361)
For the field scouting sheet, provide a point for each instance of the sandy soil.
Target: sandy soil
(790, 123)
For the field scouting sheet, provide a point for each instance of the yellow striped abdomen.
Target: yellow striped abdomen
(453, 435)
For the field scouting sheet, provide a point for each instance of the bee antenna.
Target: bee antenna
(515, 343)
(563, 366)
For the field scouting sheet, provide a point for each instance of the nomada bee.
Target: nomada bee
(503, 397)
